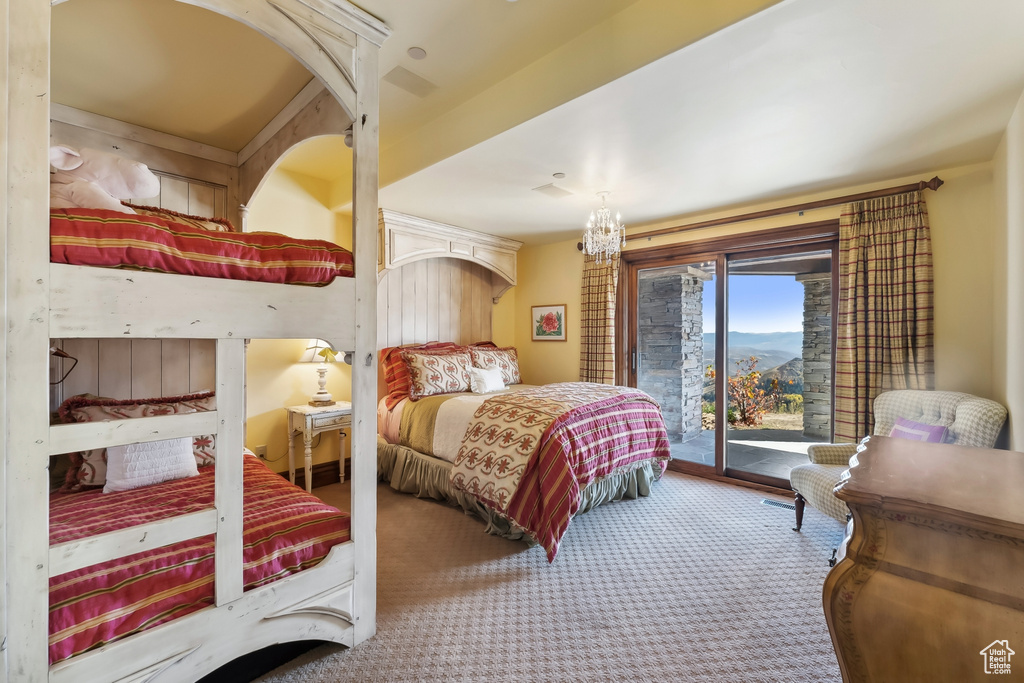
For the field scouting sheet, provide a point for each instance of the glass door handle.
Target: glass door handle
(633, 360)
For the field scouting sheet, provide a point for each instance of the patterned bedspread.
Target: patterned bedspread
(286, 530)
(527, 454)
(98, 237)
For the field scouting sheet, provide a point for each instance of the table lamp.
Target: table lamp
(319, 351)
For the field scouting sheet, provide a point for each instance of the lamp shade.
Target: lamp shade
(318, 351)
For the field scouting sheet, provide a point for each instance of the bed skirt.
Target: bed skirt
(425, 476)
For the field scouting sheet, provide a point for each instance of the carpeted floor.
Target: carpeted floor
(699, 582)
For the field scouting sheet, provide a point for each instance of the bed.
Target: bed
(167, 244)
(285, 530)
(525, 459)
(155, 294)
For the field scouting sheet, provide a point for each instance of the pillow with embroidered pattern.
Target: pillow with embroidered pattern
(505, 359)
(396, 373)
(433, 374)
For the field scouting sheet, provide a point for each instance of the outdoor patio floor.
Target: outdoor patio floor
(771, 452)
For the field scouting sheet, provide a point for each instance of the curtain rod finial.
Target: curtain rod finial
(579, 246)
(933, 184)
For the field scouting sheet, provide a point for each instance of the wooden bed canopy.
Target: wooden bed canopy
(335, 600)
(438, 281)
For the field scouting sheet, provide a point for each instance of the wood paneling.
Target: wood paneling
(140, 368)
(444, 299)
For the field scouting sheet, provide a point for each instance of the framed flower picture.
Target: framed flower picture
(549, 323)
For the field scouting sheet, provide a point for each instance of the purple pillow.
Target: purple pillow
(917, 431)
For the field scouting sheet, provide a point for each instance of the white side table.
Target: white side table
(309, 421)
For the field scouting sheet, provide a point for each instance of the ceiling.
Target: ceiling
(801, 97)
(675, 106)
(186, 71)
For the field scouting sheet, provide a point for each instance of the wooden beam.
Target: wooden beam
(84, 436)
(107, 302)
(228, 488)
(85, 552)
(290, 110)
(129, 131)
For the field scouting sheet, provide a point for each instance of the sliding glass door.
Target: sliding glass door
(779, 349)
(735, 344)
(675, 316)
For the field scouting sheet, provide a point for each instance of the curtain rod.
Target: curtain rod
(933, 184)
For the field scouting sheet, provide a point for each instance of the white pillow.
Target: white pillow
(485, 380)
(142, 464)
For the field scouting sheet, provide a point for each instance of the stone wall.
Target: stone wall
(670, 331)
(817, 354)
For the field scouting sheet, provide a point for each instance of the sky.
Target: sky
(759, 303)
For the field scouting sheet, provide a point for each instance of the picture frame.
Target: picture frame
(548, 322)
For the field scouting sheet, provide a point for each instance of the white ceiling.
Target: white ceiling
(804, 96)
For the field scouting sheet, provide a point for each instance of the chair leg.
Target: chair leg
(798, 500)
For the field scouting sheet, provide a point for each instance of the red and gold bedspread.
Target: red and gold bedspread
(286, 530)
(98, 237)
(527, 454)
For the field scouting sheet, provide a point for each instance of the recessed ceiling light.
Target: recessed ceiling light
(558, 175)
(417, 52)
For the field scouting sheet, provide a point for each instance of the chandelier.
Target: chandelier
(602, 236)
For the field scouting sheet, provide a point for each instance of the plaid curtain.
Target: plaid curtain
(884, 338)
(597, 320)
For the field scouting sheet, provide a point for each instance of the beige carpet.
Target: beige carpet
(700, 582)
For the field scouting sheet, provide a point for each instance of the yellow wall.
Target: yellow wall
(549, 274)
(295, 205)
(964, 238)
(1008, 278)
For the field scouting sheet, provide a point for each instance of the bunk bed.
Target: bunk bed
(335, 600)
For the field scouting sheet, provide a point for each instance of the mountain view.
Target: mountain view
(779, 356)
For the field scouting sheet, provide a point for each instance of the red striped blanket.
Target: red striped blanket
(528, 454)
(98, 237)
(286, 530)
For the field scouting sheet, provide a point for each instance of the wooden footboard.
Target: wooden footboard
(315, 604)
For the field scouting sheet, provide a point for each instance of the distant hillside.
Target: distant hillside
(789, 342)
(766, 358)
(790, 376)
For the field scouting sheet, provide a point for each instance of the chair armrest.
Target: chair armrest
(832, 454)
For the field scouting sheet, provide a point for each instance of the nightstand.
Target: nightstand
(311, 420)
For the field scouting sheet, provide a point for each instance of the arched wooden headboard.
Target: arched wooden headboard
(437, 281)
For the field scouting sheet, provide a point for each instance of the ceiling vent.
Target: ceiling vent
(409, 82)
(552, 190)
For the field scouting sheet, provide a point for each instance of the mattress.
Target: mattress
(285, 530)
(527, 454)
(99, 237)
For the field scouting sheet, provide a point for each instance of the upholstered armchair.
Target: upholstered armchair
(969, 421)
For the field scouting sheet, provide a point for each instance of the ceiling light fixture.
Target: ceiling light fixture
(558, 175)
(603, 237)
(416, 52)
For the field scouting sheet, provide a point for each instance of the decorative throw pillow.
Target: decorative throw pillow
(211, 224)
(483, 381)
(140, 464)
(396, 372)
(504, 359)
(917, 431)
(433, 374)
(89, 468)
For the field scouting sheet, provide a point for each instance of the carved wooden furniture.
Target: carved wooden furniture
(930, 573)
(334, 601)
(970, 420)
(312, 420)
(406, 239)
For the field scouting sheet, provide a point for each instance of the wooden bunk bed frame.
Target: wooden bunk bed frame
(334, 601)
